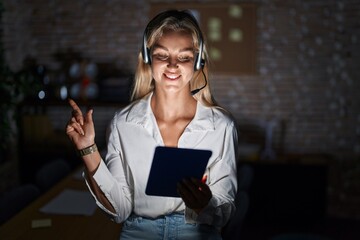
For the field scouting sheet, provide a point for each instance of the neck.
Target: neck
(172, 106)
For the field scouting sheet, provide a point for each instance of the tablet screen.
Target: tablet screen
(171, 165)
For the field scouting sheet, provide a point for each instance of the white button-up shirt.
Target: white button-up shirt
(132, 138)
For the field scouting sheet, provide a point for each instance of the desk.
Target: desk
(97, 226)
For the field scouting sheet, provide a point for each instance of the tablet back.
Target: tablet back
(171, 165)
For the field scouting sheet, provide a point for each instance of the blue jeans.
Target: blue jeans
(169, 227)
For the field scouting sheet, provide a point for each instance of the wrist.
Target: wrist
(87, 150)
(84, 144)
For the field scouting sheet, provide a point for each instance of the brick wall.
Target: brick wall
(308, 61)
(308, 52)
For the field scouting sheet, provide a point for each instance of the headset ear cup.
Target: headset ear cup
(199, 63)
(196, 62)
(148, 56)
(145, 50)
(202, 63)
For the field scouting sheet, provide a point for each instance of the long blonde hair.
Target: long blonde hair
(144, 83)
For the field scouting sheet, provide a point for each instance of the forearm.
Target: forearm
(91, 163)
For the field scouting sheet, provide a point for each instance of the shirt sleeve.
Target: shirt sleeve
(223, 184)
(112, 180)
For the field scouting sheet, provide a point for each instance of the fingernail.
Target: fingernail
(203, 180)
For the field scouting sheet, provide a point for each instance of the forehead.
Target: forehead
(180, 39)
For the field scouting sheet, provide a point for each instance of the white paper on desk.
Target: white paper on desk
(71, 202)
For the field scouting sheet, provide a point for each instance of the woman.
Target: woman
(172, 106)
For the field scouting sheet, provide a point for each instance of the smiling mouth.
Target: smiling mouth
(172, 76)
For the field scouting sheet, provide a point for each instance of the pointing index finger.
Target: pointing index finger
(76, 111)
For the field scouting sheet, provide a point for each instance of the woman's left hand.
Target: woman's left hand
(195, 194)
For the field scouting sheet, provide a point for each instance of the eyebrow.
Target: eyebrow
(189, 49)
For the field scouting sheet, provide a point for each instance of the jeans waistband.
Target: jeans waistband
(170, 215)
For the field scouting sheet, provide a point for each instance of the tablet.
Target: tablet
(171, 165)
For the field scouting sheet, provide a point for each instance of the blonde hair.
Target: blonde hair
(144, 83)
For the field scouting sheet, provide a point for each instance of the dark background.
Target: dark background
(305, 90)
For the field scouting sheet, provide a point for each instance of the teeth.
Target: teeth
(172, 76)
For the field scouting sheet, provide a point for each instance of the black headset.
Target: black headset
(199, 62)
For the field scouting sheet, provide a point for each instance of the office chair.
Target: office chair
(51, 173)
(16, 199)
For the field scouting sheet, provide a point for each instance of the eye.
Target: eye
(160, 56)
(184, 58)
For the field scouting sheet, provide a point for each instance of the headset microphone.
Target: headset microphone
(195, 91)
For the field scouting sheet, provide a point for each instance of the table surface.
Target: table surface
(97, 226)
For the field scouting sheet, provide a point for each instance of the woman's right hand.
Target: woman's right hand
(80, 128)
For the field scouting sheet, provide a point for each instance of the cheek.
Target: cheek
(157, 71)
(189, 72)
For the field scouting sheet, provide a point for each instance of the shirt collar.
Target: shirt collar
(141, 113)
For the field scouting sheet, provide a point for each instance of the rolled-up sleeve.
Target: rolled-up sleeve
(222, 182)
(112, 181)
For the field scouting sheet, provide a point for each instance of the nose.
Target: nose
(172, 63)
